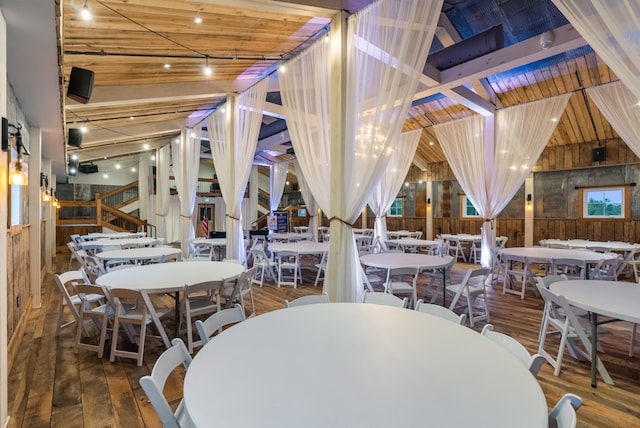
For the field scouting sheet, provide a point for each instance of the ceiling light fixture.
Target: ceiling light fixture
(85, 13)
(207, 70)
(197, 19)
(167, 65)
(118, 166)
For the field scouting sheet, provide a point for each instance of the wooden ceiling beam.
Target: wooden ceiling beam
(516, 55)
(309, 8)
(471, 100)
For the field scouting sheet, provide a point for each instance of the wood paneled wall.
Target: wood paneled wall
(64, 232)
(18, 275)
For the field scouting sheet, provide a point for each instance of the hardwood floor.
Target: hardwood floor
(51, 385)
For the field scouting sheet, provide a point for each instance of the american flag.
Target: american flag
(205, 225)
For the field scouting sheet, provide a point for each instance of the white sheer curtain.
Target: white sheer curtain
(143, 186)
(309, 201)
(611, 27)
(219, 208)
(620, 106)
(490, 178)
(163, 157)
(277, 180)
(186, 167)
(385, 51)
(391, 180)
(233, 134)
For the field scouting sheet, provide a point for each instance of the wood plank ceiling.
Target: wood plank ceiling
(137, 100)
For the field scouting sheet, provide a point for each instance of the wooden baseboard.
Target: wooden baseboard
(16, 339)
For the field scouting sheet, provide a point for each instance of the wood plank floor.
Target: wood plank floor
(51, 385)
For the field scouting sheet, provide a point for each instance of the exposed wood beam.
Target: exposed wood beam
(420, 162)
(301, 7)
(109, 96)
(471, 100)
(513, 56)
(274, 140)
(128, 133)
(448, 35)
(446, 32)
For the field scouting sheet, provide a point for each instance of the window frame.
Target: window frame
(463, 207)
(393, 205)
(624, 204)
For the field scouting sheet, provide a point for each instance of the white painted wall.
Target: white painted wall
(4, 340)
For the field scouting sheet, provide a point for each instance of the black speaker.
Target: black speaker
(88, 169)
(5, 134)
(599, 154)
(75, 138)
(80, 85)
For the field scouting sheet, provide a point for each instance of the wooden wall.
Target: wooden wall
(18, 275)
(575, 159)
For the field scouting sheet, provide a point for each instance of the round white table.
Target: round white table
(547, 254)
(622, 247)
(368, 358)
(412, 242)
(138, 254)
(393, 260)
(168, 278)
(301, 247)
(140, 242)
(615, 299)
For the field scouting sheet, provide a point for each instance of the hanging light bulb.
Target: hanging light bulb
(18, 169)
(118, 166)
(207, 70)
(85, 13)
(46, 196)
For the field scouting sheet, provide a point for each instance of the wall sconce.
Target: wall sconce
(529, 199)
(428, 201)
(18, 169)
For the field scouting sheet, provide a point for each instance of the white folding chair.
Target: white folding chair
(559, 317)
(307, 300)
(199, 299)
(153, 385)
(207, 328)
(99, 314)
(402, 281)
(130, 312)
(532, 362)
(288, 268)
(263, 264)
(66, 282)
(563, 414)
(380, 298)
(440, 311)
(472, 287)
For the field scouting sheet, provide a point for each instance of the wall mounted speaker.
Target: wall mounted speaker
(80, 85)
(5, 134)
(599, 154)
(75, 138)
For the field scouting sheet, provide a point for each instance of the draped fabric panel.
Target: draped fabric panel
(277, 180)
(186, 168)
(143, 186)
(233, 133)
(304, 89)
(309, 201)
(250, 212)
(611, 29)
(620, 106)
(386, 48)
(163, 156)
(490, 181)
(391, 180)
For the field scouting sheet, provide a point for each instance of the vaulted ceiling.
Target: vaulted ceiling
(147, 57)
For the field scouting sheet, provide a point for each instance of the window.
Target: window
(604, 203)
(468, 210)
(396, 208)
